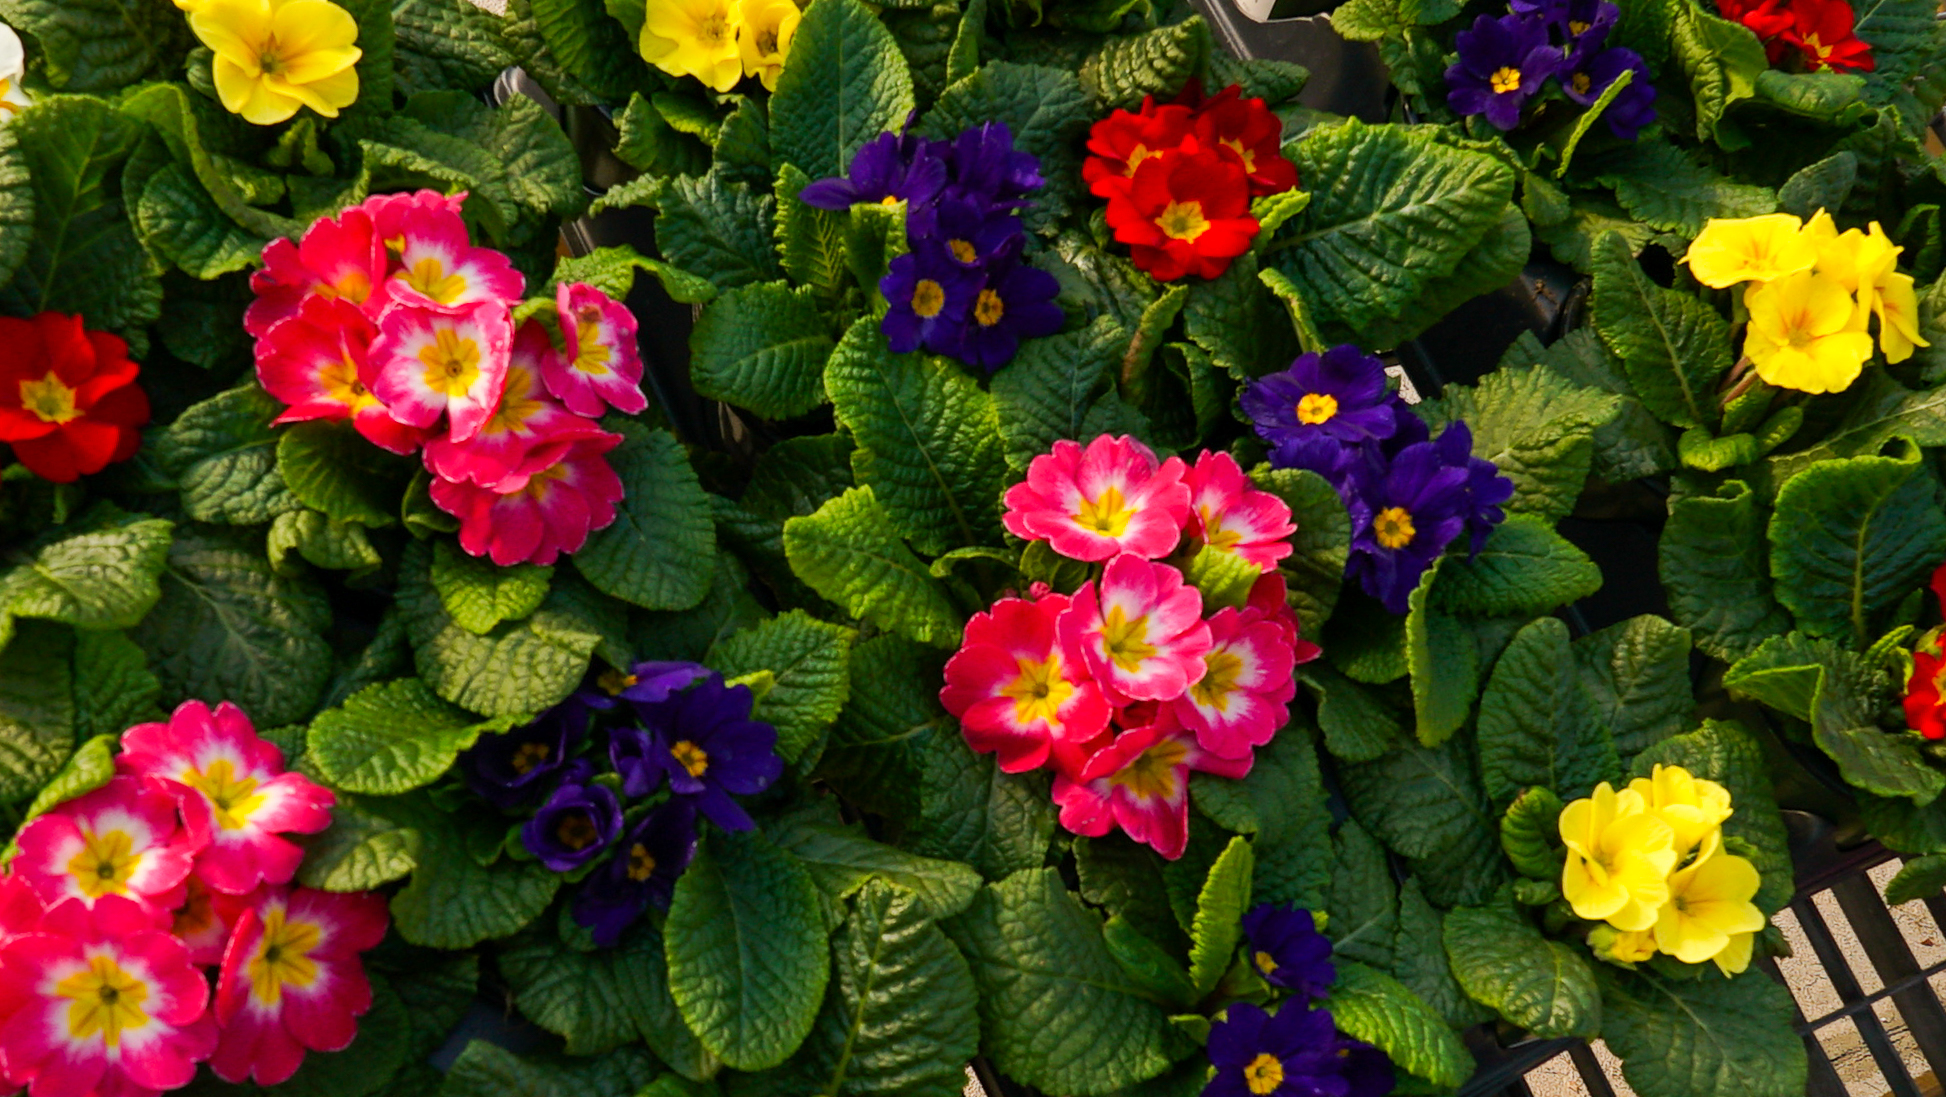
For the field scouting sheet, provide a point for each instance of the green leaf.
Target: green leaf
(842, 859)
(1919, 878)
(597, 1001)
(453, 901)
(1045, 394)
(1444, 661)
(847, 553)
(1722, 61)
(1537, 721)
(846, 84)
(101, 571)
(321, 541)
(37, 710)
(928, 439)
(719, 230)
(1529, 833)
(1224, 578)
(91, 45)
(763, 347)
(972, 811)
(1281, 805)
(809, 660)
(1357, 727)
(810, 241)
(359, 851)
(1823, 185)
(1674, 345)
(1372, 1006)
(1362, 901)
(612, 270)
(478, 595)
(1315, 568)
(1422, 802)
(1714, 568)
(1500, 959)
(393, 737)
(661, 550)
(1239, 324)
(1525, 567)
(747, 962)
(1706, 1037)
(1851, 537)
(1156, 62)
(1057, 1011)
(439, 44)
(222, 453)
(872, 756)
(91, 766)
(1880, 408)
(1048, 114)
(902, 1013)
(487, 1070)
(591, 47)
(1536, 427)
(1630, 446)
(175, 217)
(1722, 751)
(196, 134)
(228, 629)
(331, 468)
(1637, 675)
(1664, 187)
(1582, 125)
(1220, 906)
(1493, 264)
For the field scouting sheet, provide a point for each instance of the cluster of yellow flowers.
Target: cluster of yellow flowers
(1813, 291)
(274, 57)
(720, 41)
(1648, 862)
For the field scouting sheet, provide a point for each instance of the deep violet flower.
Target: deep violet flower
(1486, 488)
(1288, 951)
(986, 164)
(1502, 64)
(930, 297)
(647, 682)
(1296, 1053)
(1339, 394)
(1016, 303)
(1403, 516)
(575, 824)
(511, 769)
(642, 873)
(1632, 108)
(705, 743)
(891, 167)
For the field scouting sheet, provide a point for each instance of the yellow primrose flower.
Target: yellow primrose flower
(1692, 806)
(1619, 857)
(1805, 333)
(765, 41)
(1895, 302)
(274, 57)
(694, 38)
(1735, 956)
(1610, 943)
(1709, 902)
(1752, 249)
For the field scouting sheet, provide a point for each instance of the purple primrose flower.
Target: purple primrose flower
(642, 873)
(1339, 394)
(1297, 1052)
(1288, 951)
(575, 824)
(705, 743)
(1502, 64)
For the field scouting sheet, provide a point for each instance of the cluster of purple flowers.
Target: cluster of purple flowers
(1505, 62)
(1297, 1051)
(962, 288)
(678, 723)
(1409, 494)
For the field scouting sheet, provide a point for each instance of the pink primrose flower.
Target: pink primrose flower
(1269, 600)
(527, 432)
(1140, 782)
(1017, 694)
(552, 514)
(430, 363)
(291, 981)
(339, 258)
(318, 361)
(101, 1002)
(1139, 631)
(204, 920)
(1227, 513)
(1244, 695)
(602, 366)
(389, 213)
(1108, 499)
(232, 788)
(120, 839)
(436, 266)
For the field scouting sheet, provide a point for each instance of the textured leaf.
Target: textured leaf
(612, 270)
(100, 572)
(1494, 263)
(1156, 62)
(1045, 394)
(1630, 446)
(762, 347)
(842, 860)
(223, 454)
(847, 553)
(487, 1070)
(1536, 427)
(597, 1001)
(1919, 878)
(1665, 188)
(718, 229)
(810, 241)
(37, 710)
(1315, 569)
(1057, 1012)
(1281, 804)
(1419, 800)
(661, 550)
(114, 689)
(1880, 408)
(971, 811)
(1047, 112)
(1674, 345)
(361, 850)
(453, 901)
(873, 757)
(747, 961)
(1525, 568)
(1714, 568)
(392, 738)
(809, 663)
(478, 594)
(1362, 901)
(846, 84)
(1372, 1006)
(1722, 60)
(1444, 661)
(1357, 727)
(591, 47)
(174, 216)
(1706, 1037)
(1500, 959)
(1220, 906)
(1538, 721)
(1637, 676)
(332, 468)
(928, 439)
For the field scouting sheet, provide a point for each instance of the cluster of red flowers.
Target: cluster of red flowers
(1925, 709)
(1125, 686)
(68, 399)
(389, 317)
(124, 901)
(1179, 178)
(1822, 32)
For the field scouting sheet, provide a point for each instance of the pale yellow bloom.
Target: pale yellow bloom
(1895, 302)
(1709, 902)
(694, 38)
(1735, 956)
(765, 40)
(274, 57)
(1751, 249)
(1619, 857)
(1692, 806)
(1628, 948)
(1805, 333)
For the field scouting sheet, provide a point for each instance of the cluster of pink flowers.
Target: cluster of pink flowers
(120, 899)
(1125, 686)
(389, 317)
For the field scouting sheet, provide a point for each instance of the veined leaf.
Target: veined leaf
(846, 84)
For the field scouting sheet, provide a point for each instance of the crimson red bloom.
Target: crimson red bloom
(68, 398)
(1187, 211)
(1822, 31)
(1121, 141)
(1245, 129)
(1924, 712)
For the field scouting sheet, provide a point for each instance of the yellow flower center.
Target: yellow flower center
(767, 46)
(1247, 155)
(1577, 27)
(529, 755)
(1214, 535)
(1266, 963)
(105, 863)
(49, 399)
(517, 404)
(452, 363)
(106, 1000)
(231, 798)
(692, 757)
(429, 277)
(714, 30)
(1316, 407)
(591, 354)
(1153, 772)
(1264, 1074)
(1393, 528)
(989, 308)
(341, 383)
(1222, 668)
(928, 297)
(1183, 221)
(613, 681)
(283, 957)
(1505, 80)
(1039, 691)
(641, 864)
(576, 831)
(1135, 157)
(537, 487)
(1107, 514)
(1126, 641)
(962, 250)
(1581, 83)
(354, 286)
